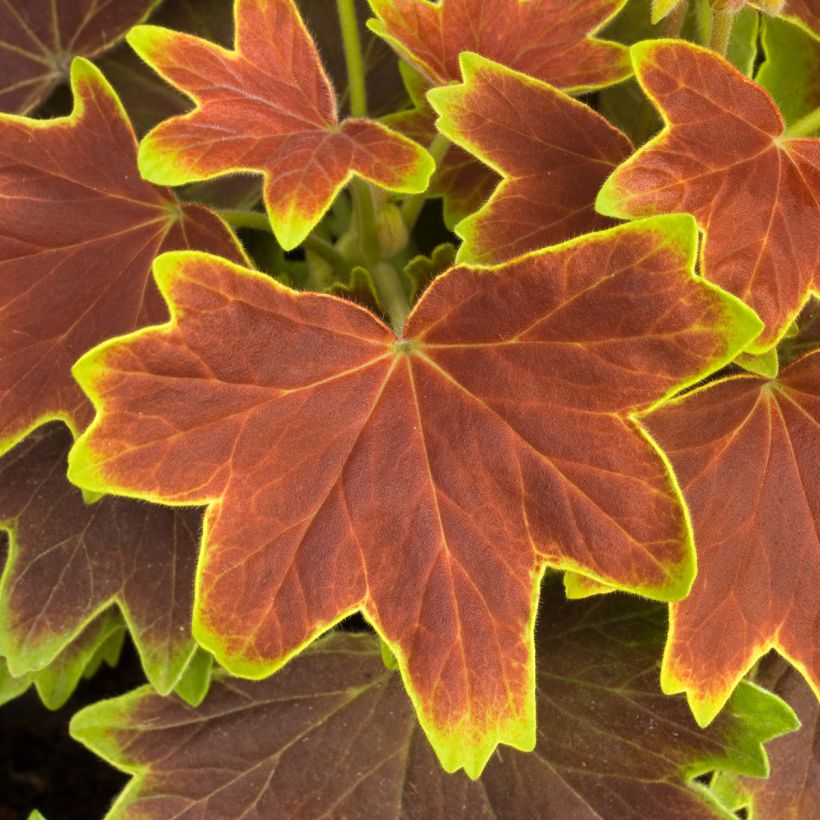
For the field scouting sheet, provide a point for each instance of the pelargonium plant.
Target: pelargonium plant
(359, 390)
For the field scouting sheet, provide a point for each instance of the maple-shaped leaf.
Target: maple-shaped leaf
(745, 451)
(39, 38)
(333, 735)
(792, 790)
(553, 152)
(722, 157)
(69, 560)
(548, 39)
(254, 390)
(268, 107)
(78, 232)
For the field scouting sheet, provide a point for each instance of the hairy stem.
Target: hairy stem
(364, 221)
(411, 207)
(722, 22)
(673, 24)
(391, 294)
(321, 247)
(246, 219)
(353, 57)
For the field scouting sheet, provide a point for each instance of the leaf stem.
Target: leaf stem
(246, 219)
(364, 220)
(321, 247)
(411, 207)
(805, 126)
(722, 23)
(673, 24)
(353, 57)
(391, 294)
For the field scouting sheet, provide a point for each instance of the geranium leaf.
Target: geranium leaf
(57, 681)
(68, 561)
(766, 364)
(38, 39)
(560, 48)
(791, 70)
(722, 156)
(553, 152)
(78, 232)
(268, 107)
(793, 788)
(745, 451)
(253, 390)
(334, 735)
(422, 270)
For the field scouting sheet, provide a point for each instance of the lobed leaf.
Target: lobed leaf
(722, 157)
(792, 790)
(552, 152)
(39, 38)
(78, 232)
(68, 561)
(268, 107)
(745, 451)
(560, 48)
(333, 735)
(338, 476)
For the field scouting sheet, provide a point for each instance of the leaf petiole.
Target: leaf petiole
(411, 207)
(722, 23)
(353, 57)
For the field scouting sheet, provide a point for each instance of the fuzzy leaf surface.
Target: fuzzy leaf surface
(268, 107)
(792, 790)
(39, 38)
(722, 157)
(78, 232)
(547, 39)
(553, 153)
(254, 390)
(745, 451)
(333, 735)
(68, 561)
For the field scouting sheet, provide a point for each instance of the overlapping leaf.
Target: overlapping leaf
(68, 561)
(78, 232)
(553, 152)
(723, 157)
(254, 390)
(791, 71)
(38, 39)
(806, 13)
(334, 736)
(746, 452)
(792, 790)
(560, 51)
(547, 39)
(268, 107)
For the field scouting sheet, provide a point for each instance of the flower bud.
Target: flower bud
(391, 230)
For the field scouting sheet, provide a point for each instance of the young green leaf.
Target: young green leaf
(339, 478)
(333, 735)
(550, 40)
(791, 72)
(792, 790)
(68, 561)
(722, 157)
(745, 451)
(268, 107)
(39, 38)
(553, 153)
(79, 232)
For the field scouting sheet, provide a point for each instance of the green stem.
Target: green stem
(805, 126)
(353, 57)
(247, 219)
(364, 218)
(391, 294)
(411, 207)
(321, 247)
(722, 23)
